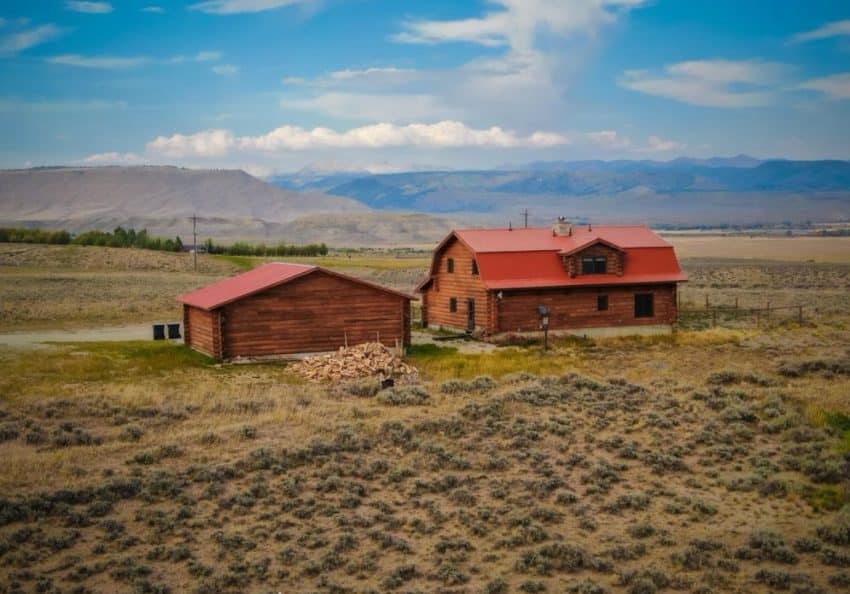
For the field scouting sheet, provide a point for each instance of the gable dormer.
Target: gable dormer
(596, 257)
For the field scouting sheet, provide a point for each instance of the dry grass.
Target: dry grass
(793, 249)
(704, 461)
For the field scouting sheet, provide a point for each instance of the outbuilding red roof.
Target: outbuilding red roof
(531, 257)
(259, 279)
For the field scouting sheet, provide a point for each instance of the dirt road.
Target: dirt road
(111, 334)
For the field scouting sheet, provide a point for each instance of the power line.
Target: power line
(195, 240)
(524, 214)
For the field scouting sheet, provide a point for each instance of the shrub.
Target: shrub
(404, 396)
(554, 557)
(780, 580)
(724, 377)
(363, 388)
(837, 531)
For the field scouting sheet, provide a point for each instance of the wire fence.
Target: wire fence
(731, 315)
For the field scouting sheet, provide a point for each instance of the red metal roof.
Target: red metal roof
(259, 279)
(531, 258)
(541, 238)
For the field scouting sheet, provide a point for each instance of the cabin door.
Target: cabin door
(470, 315)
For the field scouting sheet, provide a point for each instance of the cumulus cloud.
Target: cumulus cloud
(710, 83)
(99, 62)
(23, 40)
(113, 159)
(657, 144)
(226, 69)
(445, 134)
(209, 143)
(836, 86)
(371, 73)
(608, 140)
(153, 9)
(88, 7)
(833, 29)
(240, 6)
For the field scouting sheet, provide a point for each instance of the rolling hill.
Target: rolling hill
(230, 204)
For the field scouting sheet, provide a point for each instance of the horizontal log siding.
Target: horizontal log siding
(310, 314)
(201, 330)
(576, 308)
(460, 284)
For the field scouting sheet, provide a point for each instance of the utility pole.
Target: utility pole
(195, 240)
(524, 214)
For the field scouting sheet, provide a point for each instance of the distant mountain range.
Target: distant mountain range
(716, 190)
(358, 208)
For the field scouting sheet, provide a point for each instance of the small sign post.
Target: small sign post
(544, 323)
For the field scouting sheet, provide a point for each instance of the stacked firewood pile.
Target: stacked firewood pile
(363, 360)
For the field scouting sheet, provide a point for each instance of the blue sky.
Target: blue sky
(277, 85)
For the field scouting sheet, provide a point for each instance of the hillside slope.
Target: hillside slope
(156, 197)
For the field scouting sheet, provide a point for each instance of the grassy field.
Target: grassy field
(707, 461)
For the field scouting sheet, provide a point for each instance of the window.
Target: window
(450, 265)
(453, 304)
(602, 303)
(594, 265)
(474, 267)
(644, 307)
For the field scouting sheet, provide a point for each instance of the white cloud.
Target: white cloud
(207, 56)
(100, 62)
(22, 40)
(113, 159)
(391, 71)
(445, 134)
(89, 7)
(656, 144)
(608, 140)
(836, 86)
(210, 143)
(226, 69)
(240, 6)
(710, 83)
(368, 107)
(518, 22)
(833, 29)
(153, 9)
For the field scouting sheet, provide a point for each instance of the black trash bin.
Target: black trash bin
(159, 331)
(174, 331)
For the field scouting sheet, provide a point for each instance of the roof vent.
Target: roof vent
(563, 228)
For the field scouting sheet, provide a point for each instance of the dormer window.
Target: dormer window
(474, 267)
(594, 265)
(450, 265)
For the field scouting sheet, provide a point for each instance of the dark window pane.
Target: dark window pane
(453, 304)
(450, 265)
(600, 265)
(644, 306)
(587, 266)
(602, 303)
(474, 267)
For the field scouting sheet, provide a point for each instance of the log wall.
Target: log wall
(317, 312)
(577, 308)
(202, 330)
(460, 284)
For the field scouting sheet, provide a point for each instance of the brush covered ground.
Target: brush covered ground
(708, 461)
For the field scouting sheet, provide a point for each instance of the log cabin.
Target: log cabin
(587, 280)
(282, 309)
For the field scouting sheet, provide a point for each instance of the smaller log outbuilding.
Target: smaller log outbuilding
(282, 309)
